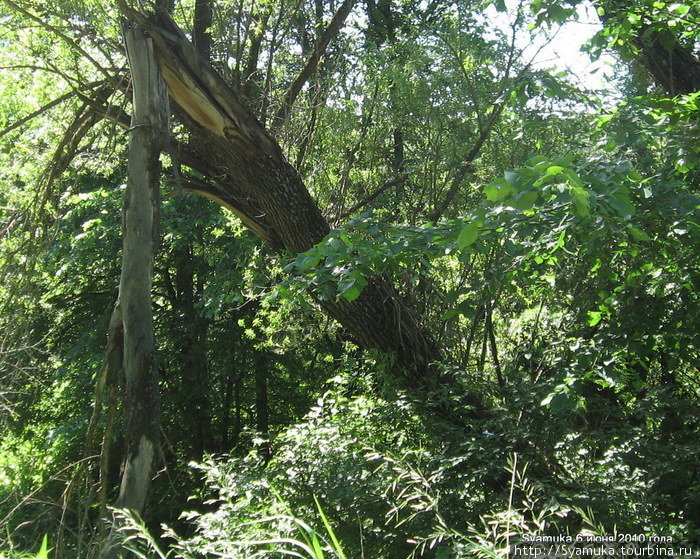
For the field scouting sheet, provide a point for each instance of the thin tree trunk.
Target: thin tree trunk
(237, 419)
(201, 32)
(259, 25)
(192, 351)
(467, 164)
(105, 454)
(494, 347)
(226, 414)
(262, 411)
(141, 203)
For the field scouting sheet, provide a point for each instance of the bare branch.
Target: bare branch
(36, 113)
(46, 107)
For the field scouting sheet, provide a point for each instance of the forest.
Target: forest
(353, 279)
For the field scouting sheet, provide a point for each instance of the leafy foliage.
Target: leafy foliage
(545, 236)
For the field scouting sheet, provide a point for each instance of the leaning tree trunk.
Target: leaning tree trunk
(141, 204)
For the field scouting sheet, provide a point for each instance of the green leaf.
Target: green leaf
(564, 161)
(468, 235)
(594, 317)
(308, 261)
(524, 200)
(511, 178)
(622, 205)
(561, 241)
(638, 234)
(572, 178)
(558, 13)
(351, 293)
(559, 403)
(44, 551)
(498, 189)
(554, 170)
(536, 160)
(580, 198)
(336, 544)
(610, 145)
(465, 308)
(556, 401)
(680, 9)
(350, 287)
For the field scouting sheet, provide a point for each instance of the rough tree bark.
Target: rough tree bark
(141, 203)
(671, 65)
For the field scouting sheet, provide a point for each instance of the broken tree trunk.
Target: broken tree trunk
(141, 204)
(248, 173)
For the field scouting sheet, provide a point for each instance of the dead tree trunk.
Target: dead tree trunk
(141, 204)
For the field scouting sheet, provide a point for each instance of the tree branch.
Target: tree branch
(60, 34)
(311, 64)
(362, 203)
